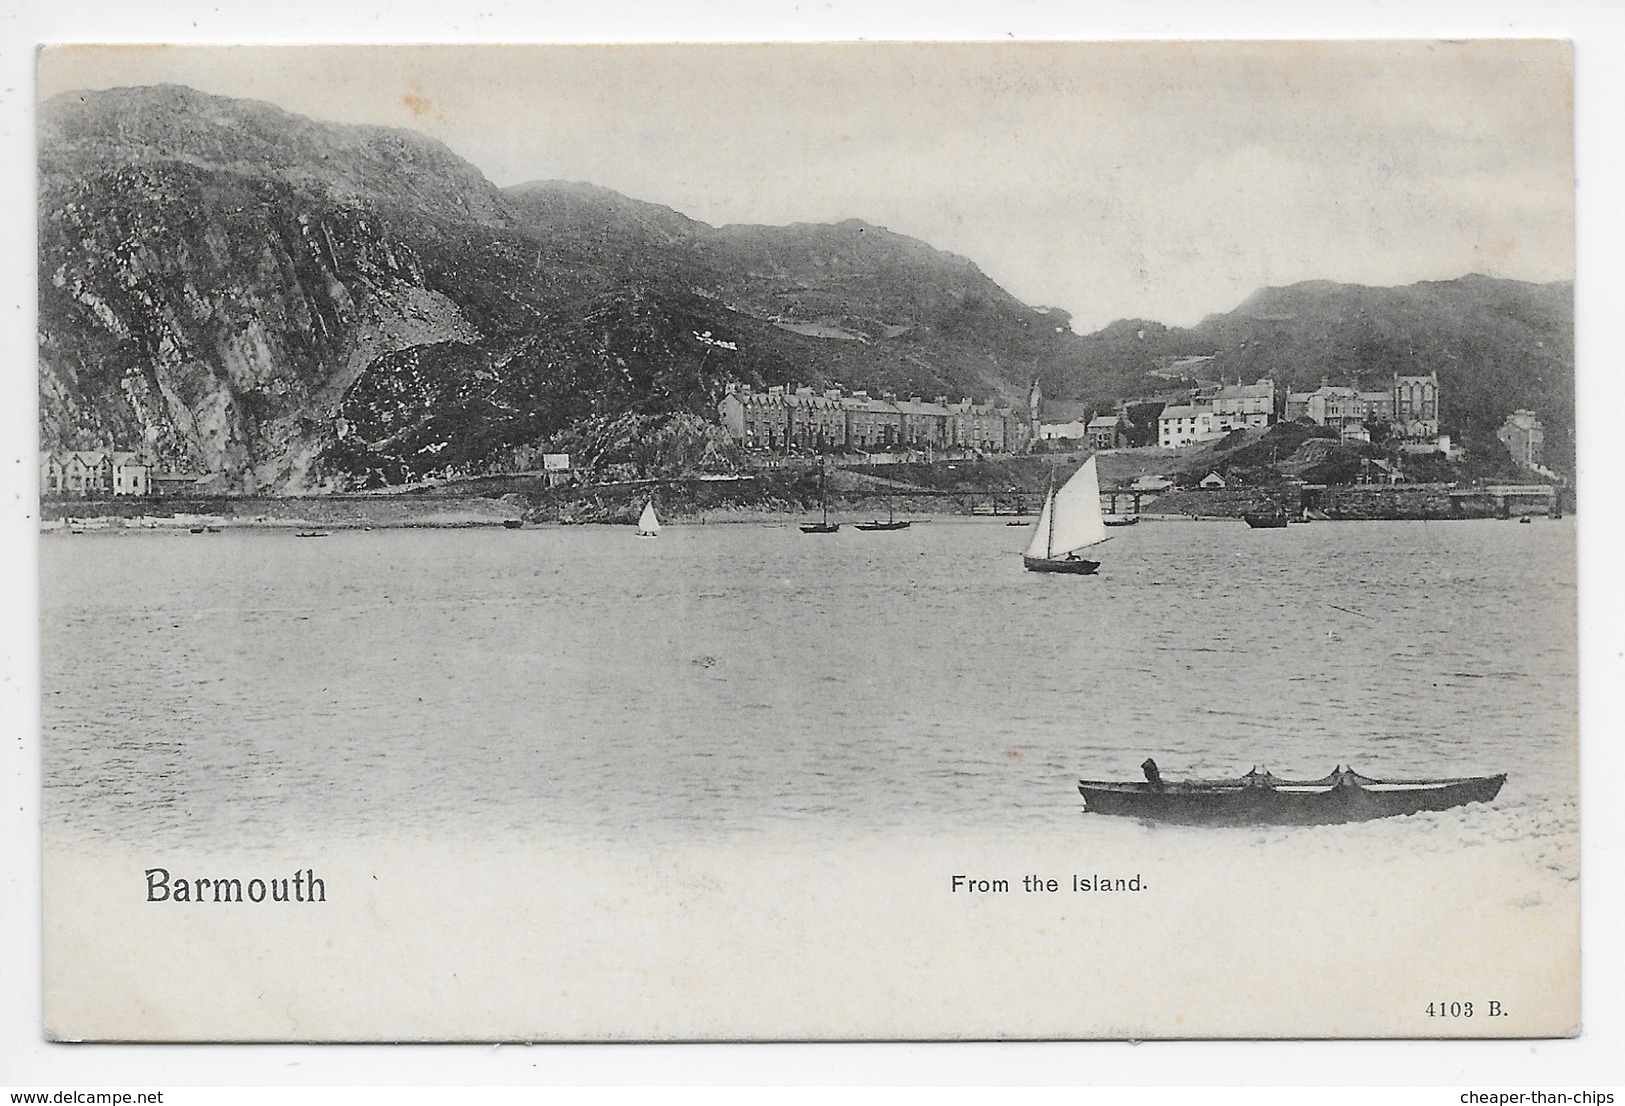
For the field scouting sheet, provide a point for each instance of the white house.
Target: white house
(1076, 430)
(1178, 426)
(93, 473)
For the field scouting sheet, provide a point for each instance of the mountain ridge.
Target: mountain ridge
(305, 306)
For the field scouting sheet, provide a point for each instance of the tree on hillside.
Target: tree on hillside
(1143, 417)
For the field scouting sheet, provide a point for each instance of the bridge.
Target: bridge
(1109, 498)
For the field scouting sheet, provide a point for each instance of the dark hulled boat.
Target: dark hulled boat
(1266, 516)
(1259, 798)
(892, 521)
(1121, 520)
(825, 526)
(1071, 564)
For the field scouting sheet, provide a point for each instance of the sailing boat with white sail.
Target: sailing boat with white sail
(1070, 521)
(649, 522)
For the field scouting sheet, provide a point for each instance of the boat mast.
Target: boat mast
(1049, 501)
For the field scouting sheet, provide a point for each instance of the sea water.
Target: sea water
(741, 678)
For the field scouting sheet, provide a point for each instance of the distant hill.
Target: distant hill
(305, 306)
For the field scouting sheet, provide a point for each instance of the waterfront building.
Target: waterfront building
(756, 420)
(93, 473)
(782, 419)
(821, 422)
(178, 483)
(982, 426)
(872, 423)
(925, 424)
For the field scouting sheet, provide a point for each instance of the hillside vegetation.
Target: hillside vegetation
(302, 306)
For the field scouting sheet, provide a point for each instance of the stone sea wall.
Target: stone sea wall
(1360, 501)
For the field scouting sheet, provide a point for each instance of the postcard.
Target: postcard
(977, 541)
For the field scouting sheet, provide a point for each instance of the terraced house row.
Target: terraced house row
(93, 473)
(109, 473)
(784, 418)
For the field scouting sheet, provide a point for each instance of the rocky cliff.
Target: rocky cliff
(215, 276)
(305, 306)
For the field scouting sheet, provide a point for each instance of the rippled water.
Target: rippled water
(742, 679)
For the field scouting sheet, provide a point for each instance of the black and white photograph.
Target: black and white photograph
(861, 541)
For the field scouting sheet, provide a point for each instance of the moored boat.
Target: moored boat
(1266, 516)
(1259, 798)
(825, 526)
(1121, 520)
(892, 521)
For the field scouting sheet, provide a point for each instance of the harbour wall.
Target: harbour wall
(1345, 502)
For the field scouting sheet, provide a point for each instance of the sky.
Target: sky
(1157, 180)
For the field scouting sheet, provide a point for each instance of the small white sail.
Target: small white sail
(1038, 547)
(1071, 518)
(1078, 521)
(649, 522)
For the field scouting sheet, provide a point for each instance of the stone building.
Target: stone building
(1409, 407)
(1107, 432)
(982, 426)
(1416, 407)
(1236, 406)
(784, 419)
